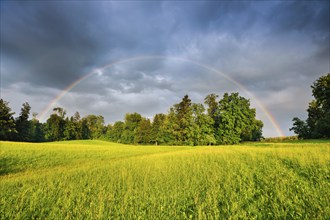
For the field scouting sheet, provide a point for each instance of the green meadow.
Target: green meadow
(103, 180)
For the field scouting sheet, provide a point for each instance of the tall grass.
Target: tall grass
(101, 180)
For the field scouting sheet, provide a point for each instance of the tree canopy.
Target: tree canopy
(317, 124)
(237, 120)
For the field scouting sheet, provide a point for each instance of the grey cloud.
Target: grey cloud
(61, 41)
(46, 39)
(302, 16)
(126, 78)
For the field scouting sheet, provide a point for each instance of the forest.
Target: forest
(229, 120)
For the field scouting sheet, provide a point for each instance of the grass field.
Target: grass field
(101, 180)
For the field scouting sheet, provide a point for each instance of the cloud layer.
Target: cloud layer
(274, 49)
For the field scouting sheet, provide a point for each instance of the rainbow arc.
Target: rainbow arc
(96, 71)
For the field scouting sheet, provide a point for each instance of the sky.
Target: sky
(113, 57)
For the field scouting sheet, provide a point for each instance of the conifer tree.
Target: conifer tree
(7, 122)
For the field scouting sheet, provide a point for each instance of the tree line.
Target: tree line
(229, 120)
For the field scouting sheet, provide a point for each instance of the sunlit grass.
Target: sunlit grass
(101, 180)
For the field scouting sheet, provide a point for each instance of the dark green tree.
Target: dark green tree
(256, 131)
(184, 120)
(212, 103)
(143, 132)
(212, 108)
(77, 126)
(317, 124)
(109, 131)
(72, 129)
(319, 111)
(7, 122)
(37, 129)
(96, 126)
(157, 129)
(117, 131)
(23, 125)
(85, 133)
(60, 112)
(55, 125)
(301, 128)
(132, 121)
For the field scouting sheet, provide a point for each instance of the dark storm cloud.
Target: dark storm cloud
(301, 16)
(52, 40)
(275, 49)
(60, 41)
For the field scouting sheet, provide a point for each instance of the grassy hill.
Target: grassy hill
(101, 180)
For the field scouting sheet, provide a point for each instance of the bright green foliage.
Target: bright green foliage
(236, 119)
(72, 129)
(226, 122)
(178, 126)
(202, 126)
(109, 131)
(95, 125)
(55, 125)
(171, 128)
(157, 129)
(117, 131)
(142, 132)
(211, 101)
(131, 123)
(101, 180)
(77, 127)
(7, 122)
(317, 124)
(213, 105)
(253, 132)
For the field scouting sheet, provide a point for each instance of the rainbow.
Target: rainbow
(268, 114)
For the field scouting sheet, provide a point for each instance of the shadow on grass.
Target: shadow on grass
(313, 173)
(8, 165)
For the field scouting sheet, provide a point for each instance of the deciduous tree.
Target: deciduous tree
(236, 119)
(157, 129)
(95, 125)
(317, 124)
(203, 129)
(55, 125)
(117, 131)
(131, 123)
(143, 132)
